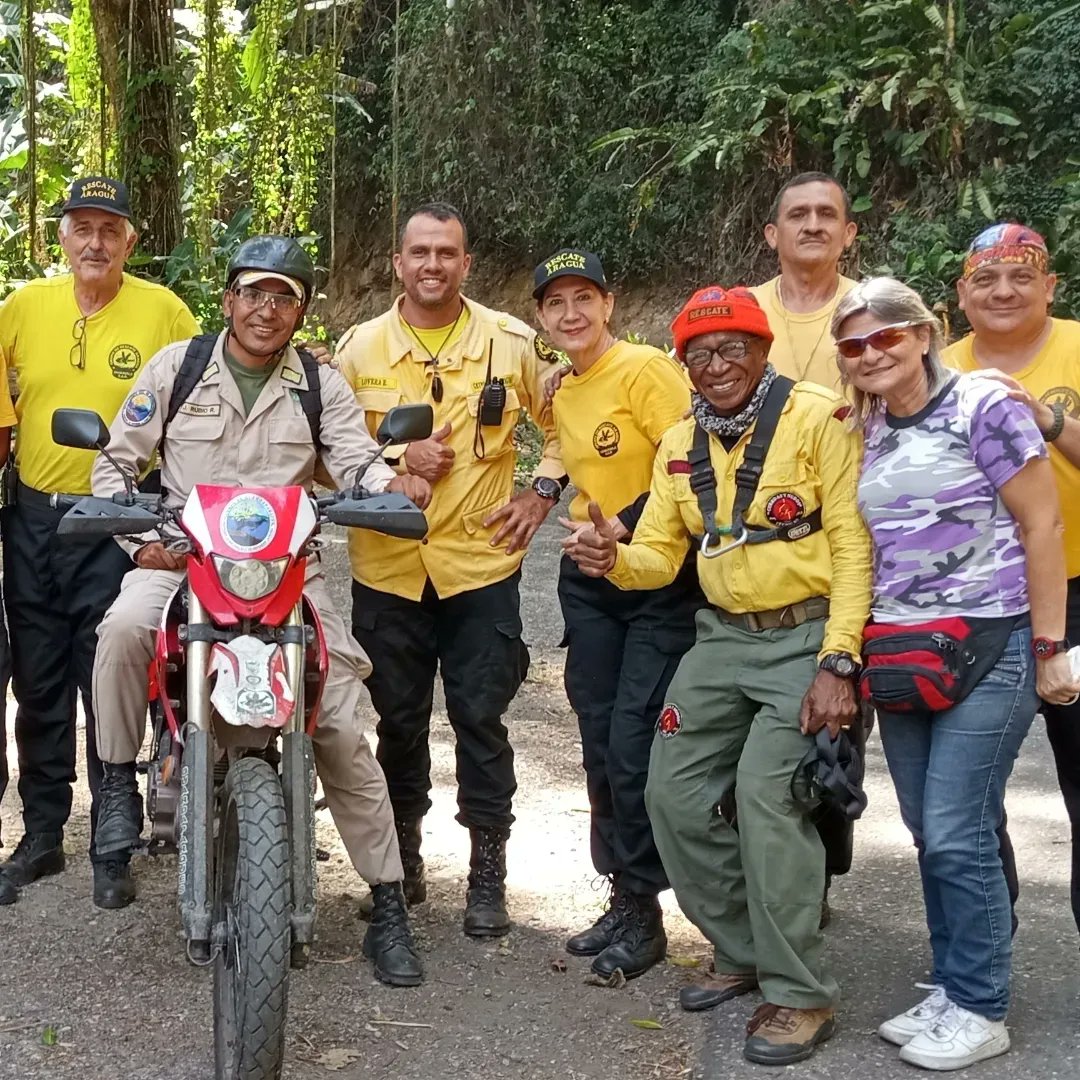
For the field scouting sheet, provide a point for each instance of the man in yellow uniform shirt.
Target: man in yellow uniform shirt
(767, 469)
(1006, 292)
(810, 228)
(451, 600)
(76, 340)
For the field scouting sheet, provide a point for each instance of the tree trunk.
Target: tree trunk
(135, 43)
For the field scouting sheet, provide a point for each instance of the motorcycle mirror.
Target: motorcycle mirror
(82, 429)
(406, 423)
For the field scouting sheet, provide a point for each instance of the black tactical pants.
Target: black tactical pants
(622, 651)
(5, 678)
(57, 591)
(1063, 731)
(474, 638)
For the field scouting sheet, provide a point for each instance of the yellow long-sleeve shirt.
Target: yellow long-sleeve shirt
(386, 367)
(813, 460)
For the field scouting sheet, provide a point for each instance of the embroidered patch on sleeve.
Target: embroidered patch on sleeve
(678, 468)
(670, 722)
(139, 408)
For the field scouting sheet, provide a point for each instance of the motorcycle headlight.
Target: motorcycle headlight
(250, 579)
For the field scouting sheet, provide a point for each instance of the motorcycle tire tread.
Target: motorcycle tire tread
(253, 787)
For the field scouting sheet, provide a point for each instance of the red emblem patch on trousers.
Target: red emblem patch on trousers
(784, 508)
(670, 722)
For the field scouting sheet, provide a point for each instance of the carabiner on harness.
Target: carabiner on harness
(741, 536)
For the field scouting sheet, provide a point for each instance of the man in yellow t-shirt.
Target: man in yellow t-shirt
(450, 601)
(76, 340)
(7, 422)
(810, 228)
(1006, 292)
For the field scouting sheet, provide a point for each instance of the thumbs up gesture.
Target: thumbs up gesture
(592, 546)
(431, 458)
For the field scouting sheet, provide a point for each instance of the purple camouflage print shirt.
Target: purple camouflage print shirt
(944, 544)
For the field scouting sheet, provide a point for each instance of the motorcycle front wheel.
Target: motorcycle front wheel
(251, 900)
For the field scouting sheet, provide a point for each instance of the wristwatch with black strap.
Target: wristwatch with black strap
(840, 665)
(547, 488)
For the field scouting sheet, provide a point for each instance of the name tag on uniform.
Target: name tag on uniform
(477, 385)
(189, 408)
(376, 382)
(288, 375)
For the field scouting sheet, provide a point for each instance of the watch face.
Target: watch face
(1043, 647)
(845, 666)
(547, 488)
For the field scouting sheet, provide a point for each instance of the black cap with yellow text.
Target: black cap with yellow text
(98, 193)
(566, 263)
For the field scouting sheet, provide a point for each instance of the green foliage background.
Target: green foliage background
(654, 131)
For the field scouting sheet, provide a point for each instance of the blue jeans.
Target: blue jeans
(950, 770)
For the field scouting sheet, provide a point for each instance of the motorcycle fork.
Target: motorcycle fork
(196, 884)
(298, 787)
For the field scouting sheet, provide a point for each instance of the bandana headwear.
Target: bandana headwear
(714, 308)
(1007, 244)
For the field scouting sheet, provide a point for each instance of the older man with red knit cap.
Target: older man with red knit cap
(762, 479)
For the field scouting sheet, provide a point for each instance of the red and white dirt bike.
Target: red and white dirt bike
(234, 688)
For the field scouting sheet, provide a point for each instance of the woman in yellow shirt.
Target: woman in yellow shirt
(622, 647)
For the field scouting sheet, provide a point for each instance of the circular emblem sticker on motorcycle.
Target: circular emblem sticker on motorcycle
(784, 508)
(139, 407)
(248, 523)
(670, 722)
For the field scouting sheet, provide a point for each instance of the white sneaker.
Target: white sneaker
(956, 1039)
(903, 1028)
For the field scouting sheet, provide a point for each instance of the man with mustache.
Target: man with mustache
(75, 340)
(451, 600)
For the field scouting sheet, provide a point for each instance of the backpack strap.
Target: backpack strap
(703, 481)
(193, 367)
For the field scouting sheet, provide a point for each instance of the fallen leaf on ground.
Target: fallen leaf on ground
(648, 1025)
(615, 981)
(49, 1036)
(559, 965)
(684, 961)
(336, 1059)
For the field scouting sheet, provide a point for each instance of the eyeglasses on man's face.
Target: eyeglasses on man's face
(256, 298)
(729, 351)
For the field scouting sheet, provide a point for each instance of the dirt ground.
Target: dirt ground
(113, 993)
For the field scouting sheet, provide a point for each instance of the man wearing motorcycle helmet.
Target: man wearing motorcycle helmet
(243, 424)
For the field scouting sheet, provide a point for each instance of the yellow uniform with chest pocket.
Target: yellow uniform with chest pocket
(813, 462)
(45, 338)
(385, 365)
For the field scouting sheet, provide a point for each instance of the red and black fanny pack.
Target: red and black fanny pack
(930, 666)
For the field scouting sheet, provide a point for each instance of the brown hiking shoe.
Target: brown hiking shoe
(780, 1036)
(713, 989)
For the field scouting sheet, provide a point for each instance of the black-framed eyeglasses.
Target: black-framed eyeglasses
(256, 298)
(730, 351)
(77, 355)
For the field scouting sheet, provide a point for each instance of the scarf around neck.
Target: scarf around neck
(733, 426)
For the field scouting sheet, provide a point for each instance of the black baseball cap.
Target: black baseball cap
(566, 263)
(98, 193)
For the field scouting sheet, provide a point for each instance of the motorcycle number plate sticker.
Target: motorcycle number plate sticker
(251, 687)
(248, 523)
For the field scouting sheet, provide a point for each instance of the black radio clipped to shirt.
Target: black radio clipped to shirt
(492, 397)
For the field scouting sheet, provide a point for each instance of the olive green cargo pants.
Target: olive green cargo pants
(755, 891)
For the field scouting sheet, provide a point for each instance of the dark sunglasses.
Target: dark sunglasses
(77, 354)
(886, 337)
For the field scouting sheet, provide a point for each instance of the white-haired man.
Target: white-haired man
(78, 340)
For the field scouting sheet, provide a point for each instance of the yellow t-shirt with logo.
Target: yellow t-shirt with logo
(1053, 376)
(610, 420)
(39, 337)
(803, 347)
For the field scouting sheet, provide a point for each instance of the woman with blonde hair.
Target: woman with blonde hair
(966, 633)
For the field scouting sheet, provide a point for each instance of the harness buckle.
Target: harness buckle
(740, 539)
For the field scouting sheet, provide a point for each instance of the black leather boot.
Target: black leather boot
(639, 942)
(600, 935)
(485, 900)
(37, 855)
(114, 883)
(409, 836)
(389, 941)
(119, 810)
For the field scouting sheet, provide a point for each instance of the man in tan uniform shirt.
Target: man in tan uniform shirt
(231, 432)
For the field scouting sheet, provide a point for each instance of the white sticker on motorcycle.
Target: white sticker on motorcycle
(248, 523)
(251, 687)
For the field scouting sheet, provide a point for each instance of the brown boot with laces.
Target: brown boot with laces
(714, 989)
(777, 1035)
